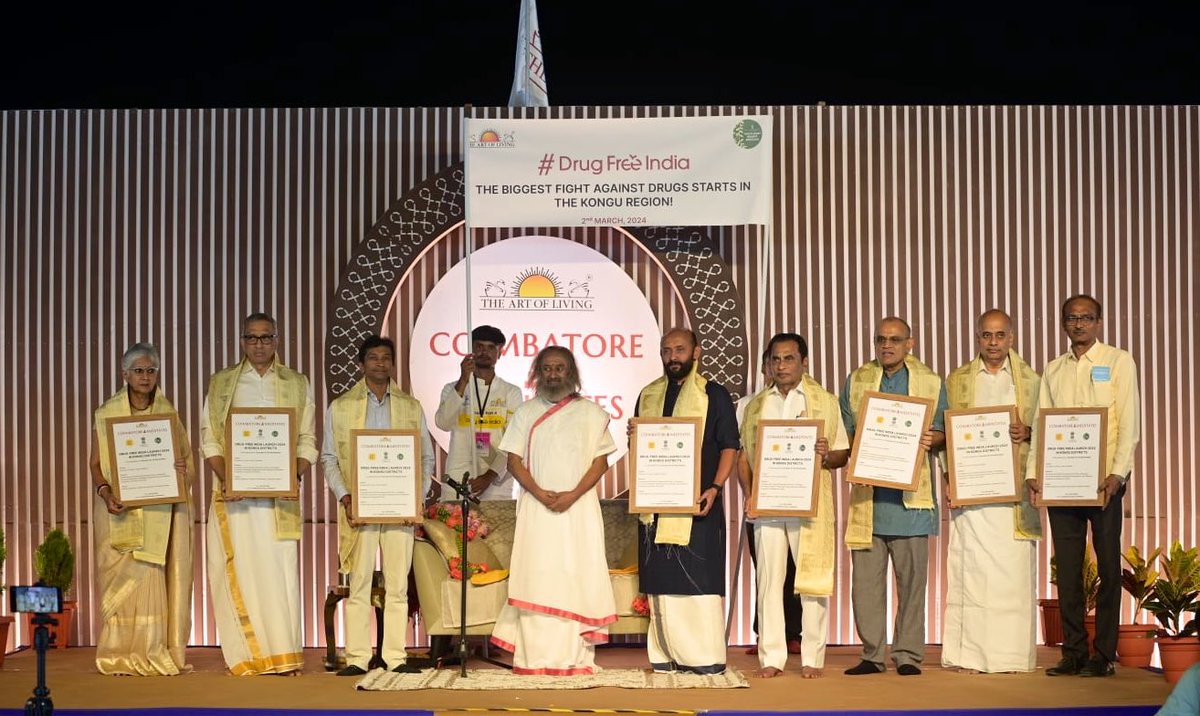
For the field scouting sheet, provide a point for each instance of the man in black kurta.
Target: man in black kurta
(681, 558)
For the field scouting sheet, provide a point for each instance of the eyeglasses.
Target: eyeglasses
(261, 340)
(144, 371)
(1078, 320)
(892, 340)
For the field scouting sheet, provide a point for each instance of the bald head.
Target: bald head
(994, 336)
(893, 341)
(679, 353)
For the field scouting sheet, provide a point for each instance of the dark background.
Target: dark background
(598, 52)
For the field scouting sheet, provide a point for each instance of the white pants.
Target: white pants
(772, 540)
(396, 543)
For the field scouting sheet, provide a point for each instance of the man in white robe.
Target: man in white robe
(991, 566)
(560, 599)
(253, 561)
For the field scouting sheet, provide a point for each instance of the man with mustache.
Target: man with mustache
(1091, 374)
(887, 524)
(794, 395)
(991, 566)
(681, 558)
(475, 409)
(560, 600)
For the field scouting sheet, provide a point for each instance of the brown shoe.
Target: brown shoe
(794, 646)
(752, 651)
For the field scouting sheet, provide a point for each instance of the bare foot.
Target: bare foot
(965, 670)
(811, 672)
(768, 672)
(293, 672)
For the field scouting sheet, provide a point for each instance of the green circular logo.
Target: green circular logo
(747, 134)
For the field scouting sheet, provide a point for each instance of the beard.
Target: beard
(678, 371)
(553, 393)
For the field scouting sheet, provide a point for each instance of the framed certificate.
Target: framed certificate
(887, 444)
(260, 453)
(664, 465)
(141, 450)
(387, 469)
(1072, 456)
(984, 464)
(786, 468)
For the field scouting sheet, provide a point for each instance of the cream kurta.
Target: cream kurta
(145, 594)
(253, 569)
(560, 599)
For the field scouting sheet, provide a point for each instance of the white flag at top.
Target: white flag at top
(529, 73)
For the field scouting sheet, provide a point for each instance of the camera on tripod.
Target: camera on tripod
(36, 599)
(42, 601)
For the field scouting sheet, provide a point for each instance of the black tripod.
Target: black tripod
(40, 704)
(465, 498)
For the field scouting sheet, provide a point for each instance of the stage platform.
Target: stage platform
(76, 686)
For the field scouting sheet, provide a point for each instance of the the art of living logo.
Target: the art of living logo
(537, 289)
(492, 139)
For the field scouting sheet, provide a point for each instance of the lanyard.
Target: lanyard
(486, 397)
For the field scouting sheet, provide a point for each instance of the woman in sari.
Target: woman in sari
(143, 554)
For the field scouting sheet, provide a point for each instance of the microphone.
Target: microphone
(461, 487)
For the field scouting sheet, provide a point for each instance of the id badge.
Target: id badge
(483, 443)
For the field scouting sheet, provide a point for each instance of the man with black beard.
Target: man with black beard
(681, 558)
(560, 600)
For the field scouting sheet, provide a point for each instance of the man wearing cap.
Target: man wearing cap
(475, 410)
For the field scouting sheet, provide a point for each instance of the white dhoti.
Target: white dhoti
(255, 585)
(773, 538)
(990, 621)
(687, 632)
(560, 599)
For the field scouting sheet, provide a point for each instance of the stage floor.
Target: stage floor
(75, 684)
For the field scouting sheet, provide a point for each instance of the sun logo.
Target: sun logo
(653, 444)
(371, 456)
(489, 135)
(775, 447)
(537, 283)
(1058, 437)
(879, 419)
(129, 442)
(245, 433)
(967, 436)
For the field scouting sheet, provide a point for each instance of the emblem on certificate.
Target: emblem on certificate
(1072, 455)
(786, 468)
(664, 472)
(983, 460)
(887, 444)
(141, 451)
(260, 453)
(387, 475)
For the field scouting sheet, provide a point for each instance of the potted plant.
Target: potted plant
(1135, 642)
(54, 564)
(6, 620)
(1176, 593)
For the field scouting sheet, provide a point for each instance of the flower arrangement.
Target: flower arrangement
(640, 605)
(450, 514)
(473, 568)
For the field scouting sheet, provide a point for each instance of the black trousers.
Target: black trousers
(1069, 532)
(792, 611)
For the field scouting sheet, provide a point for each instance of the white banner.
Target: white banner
(670, 171)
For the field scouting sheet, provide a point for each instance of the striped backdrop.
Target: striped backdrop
(169, 226)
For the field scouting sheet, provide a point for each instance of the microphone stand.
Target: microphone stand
(463, 652)
(40, 704)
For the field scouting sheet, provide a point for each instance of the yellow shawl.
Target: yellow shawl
(815, 563)
(923, 383)
(691, 403)
(143, 530)
(349, 412)
(960, 393)
(291, 391)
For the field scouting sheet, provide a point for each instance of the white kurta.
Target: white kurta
(255, 577)
(991, 592)
(476, 423)
(560, 599)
